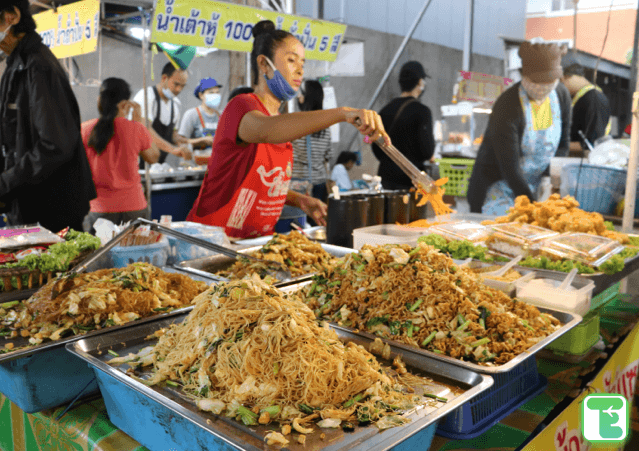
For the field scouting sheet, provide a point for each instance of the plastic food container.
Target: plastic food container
(180, 250)
(579, 340)
(545, 292)
(515, 238)
(462, 230)
(386, 234)
(156, 253)
(582, 247)
(504, 283)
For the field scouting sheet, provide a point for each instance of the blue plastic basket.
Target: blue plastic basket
(46, 380)
(598, 189)
(157, 254)
(158, 428)
(510, 391)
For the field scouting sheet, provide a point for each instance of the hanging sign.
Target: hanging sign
(618, 375)
(72, 30)
(476, 87)
(229, 27)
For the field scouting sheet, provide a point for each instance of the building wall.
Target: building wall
(123, 60)
(592, 19)
(443, 22)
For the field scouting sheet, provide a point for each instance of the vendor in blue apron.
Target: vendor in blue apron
(164, 112)
(199, 124)
(529, 124)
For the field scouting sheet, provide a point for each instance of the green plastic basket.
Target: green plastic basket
(580, 339)
(605, 296)
(458, 171)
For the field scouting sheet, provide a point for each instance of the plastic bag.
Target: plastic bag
(609, 152)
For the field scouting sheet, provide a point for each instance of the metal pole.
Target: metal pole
(468, 35)
(633, 162)
(633, 67)
(147, 166)
(399, 52)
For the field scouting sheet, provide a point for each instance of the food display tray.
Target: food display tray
(176, 174)
(218, 262)
(568, 319)
(161, 417)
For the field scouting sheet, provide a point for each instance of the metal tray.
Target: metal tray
(218, 262)
(568, 319)
(446, 377)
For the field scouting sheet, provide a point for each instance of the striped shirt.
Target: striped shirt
(320, 151)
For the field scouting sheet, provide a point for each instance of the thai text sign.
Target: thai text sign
(72, 30)
(229, 27)
(476, 87)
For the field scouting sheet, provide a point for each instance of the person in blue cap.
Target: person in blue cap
(199, 124)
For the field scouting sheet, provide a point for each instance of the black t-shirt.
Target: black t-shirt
(590, 114)
(412, 135)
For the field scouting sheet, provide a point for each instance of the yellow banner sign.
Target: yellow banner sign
(229, 27)
(618, 375)
(72, 30)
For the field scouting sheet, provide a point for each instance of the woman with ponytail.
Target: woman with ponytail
(248, 175)
(113, 144)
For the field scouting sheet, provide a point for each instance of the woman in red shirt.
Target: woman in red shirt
(113, 144)
(247, 180)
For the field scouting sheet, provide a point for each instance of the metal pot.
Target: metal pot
(345, 215)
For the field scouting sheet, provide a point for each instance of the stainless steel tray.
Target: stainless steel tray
(568, 319)
(220, 262)
(457, 384)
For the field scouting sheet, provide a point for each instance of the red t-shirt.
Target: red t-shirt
(115, 170)
(230, 162)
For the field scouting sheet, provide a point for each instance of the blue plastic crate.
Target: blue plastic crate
(180, 251)
(46, 379)
(157, 254)
(158, 428)
(510, 391)
(597, 188)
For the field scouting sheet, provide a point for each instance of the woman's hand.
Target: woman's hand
(313, 207)
(137, 111)
(370, 123)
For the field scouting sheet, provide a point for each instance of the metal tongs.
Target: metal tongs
(65, 282)
(420, 179)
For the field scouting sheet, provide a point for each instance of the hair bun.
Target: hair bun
(263, 27)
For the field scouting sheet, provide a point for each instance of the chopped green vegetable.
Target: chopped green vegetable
(352, 401)
(247, 416)
(335, 283)
(480, 342)
(438, 398)
(464, 325)
(172, 384)
(113, 353)
(429, 339)
(305, 409)
(272, 410)
(417, 303)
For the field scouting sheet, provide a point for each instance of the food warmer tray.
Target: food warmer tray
(210, 265)
(161, 417)
(568, 319)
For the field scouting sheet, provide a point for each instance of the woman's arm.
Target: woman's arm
(257, 127)
(151, 155)
(315, 208)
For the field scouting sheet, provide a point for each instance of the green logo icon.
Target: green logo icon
(605, 418)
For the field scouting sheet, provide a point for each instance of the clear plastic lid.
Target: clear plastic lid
(582, 247)
(521, 233)
(462, 230)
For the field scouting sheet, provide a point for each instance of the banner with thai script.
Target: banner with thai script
(484, 88)
(229, 27)
(618, 375)
(72, 30)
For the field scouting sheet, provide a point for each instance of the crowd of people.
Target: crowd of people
(60, 172)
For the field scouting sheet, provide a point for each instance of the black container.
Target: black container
(416, 212)
(395, 210)
(345, 215)
(376, 209)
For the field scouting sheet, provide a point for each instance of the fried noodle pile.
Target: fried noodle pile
(421, 297)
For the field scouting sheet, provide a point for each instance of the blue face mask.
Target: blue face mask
(212, 100)
(168, 93)
(279, 86)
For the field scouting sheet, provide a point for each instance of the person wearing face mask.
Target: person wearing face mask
(164, 112)
(45, 176)
(199, 124)
(410, 127)
(113, 144)
(248, 175)
(529, 124)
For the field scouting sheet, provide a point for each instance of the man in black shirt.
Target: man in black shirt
(590, 106)
(409, 124)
